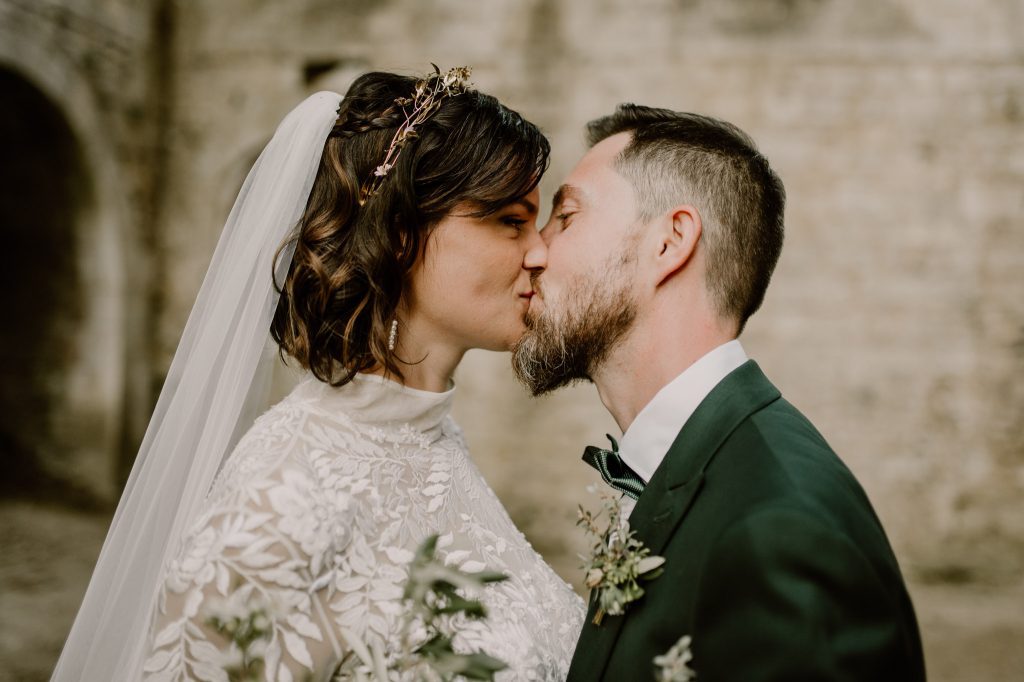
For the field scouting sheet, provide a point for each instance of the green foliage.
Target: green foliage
(435, 596)
(245, 628)
(432, 593)
(617, 562)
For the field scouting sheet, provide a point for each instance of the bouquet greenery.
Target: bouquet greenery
(435, 595)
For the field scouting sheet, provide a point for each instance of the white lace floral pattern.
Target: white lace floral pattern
(317, 512)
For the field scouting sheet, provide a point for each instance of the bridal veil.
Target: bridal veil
(216, 385)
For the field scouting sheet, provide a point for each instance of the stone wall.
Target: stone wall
(895, 319)
(80, 72)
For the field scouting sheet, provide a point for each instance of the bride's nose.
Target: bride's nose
(536, 256)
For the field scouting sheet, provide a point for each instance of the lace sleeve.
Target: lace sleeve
(256, 554)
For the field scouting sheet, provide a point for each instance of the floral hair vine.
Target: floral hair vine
(426, 99)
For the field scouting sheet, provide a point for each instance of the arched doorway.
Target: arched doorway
(44, 192)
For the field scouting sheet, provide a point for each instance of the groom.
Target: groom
(661, 244)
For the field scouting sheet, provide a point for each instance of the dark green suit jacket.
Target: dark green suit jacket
(776, 564)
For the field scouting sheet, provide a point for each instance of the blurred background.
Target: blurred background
(895, 320)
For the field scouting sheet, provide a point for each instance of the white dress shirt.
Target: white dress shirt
(648, 438)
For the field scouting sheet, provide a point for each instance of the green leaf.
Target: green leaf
(476, 666)
(438, 645)
(480, 666)
(650, 563)
(471, 607)
(427, 549)
(656, 573)
(490, 576)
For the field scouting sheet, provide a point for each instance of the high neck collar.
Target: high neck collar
(372, 399)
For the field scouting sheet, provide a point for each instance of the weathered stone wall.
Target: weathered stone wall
(896, 317)
(90, 60)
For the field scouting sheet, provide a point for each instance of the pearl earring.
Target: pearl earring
(393, 336)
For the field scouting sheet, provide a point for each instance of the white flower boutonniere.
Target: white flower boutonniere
(673, 664)
(618, 561)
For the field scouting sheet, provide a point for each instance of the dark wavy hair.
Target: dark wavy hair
(352, 261)
(677, 156)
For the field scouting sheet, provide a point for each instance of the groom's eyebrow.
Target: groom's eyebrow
(565, 192)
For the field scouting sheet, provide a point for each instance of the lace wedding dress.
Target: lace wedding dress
(318, 510)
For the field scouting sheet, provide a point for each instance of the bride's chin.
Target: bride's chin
(507, 342)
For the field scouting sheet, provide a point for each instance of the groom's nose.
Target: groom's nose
(536, 257)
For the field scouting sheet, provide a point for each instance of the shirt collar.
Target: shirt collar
(648, 438)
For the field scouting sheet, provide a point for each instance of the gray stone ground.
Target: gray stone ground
(971, 631)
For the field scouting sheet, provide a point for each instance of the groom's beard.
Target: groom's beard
(572, 336)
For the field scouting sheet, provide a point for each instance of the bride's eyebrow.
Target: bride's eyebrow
(525, 204)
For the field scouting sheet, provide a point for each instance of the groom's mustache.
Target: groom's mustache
(535, 284)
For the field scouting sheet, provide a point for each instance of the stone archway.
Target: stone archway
(55, 419)
(44, 188)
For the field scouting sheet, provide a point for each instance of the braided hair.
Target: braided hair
(351, 262)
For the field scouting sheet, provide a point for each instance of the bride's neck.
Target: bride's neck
(426, 361)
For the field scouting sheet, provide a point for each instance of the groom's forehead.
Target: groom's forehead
(603, 155)
(597, 170)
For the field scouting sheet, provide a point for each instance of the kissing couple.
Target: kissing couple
(379, 237)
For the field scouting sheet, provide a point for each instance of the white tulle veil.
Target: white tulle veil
(217, 383)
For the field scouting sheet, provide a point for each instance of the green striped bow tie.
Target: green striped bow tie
(613, 470)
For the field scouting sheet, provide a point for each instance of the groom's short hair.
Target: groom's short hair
(675, 157)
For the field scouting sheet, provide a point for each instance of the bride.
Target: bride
(378, 238)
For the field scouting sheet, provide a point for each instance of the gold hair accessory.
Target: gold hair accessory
(430, 91)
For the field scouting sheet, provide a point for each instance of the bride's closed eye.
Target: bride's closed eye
(514, 222)
(565, 218)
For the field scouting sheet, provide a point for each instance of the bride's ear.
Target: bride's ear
(678, 235)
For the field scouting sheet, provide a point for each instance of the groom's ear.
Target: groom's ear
(679, 233)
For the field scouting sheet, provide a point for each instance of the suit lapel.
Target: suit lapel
(675, 483)
(673, 489)
(597, 641)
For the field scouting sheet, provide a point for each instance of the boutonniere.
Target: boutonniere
(673, 664)
(617, 562)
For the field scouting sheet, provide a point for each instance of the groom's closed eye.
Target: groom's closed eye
(564, 205)
(555, 223)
